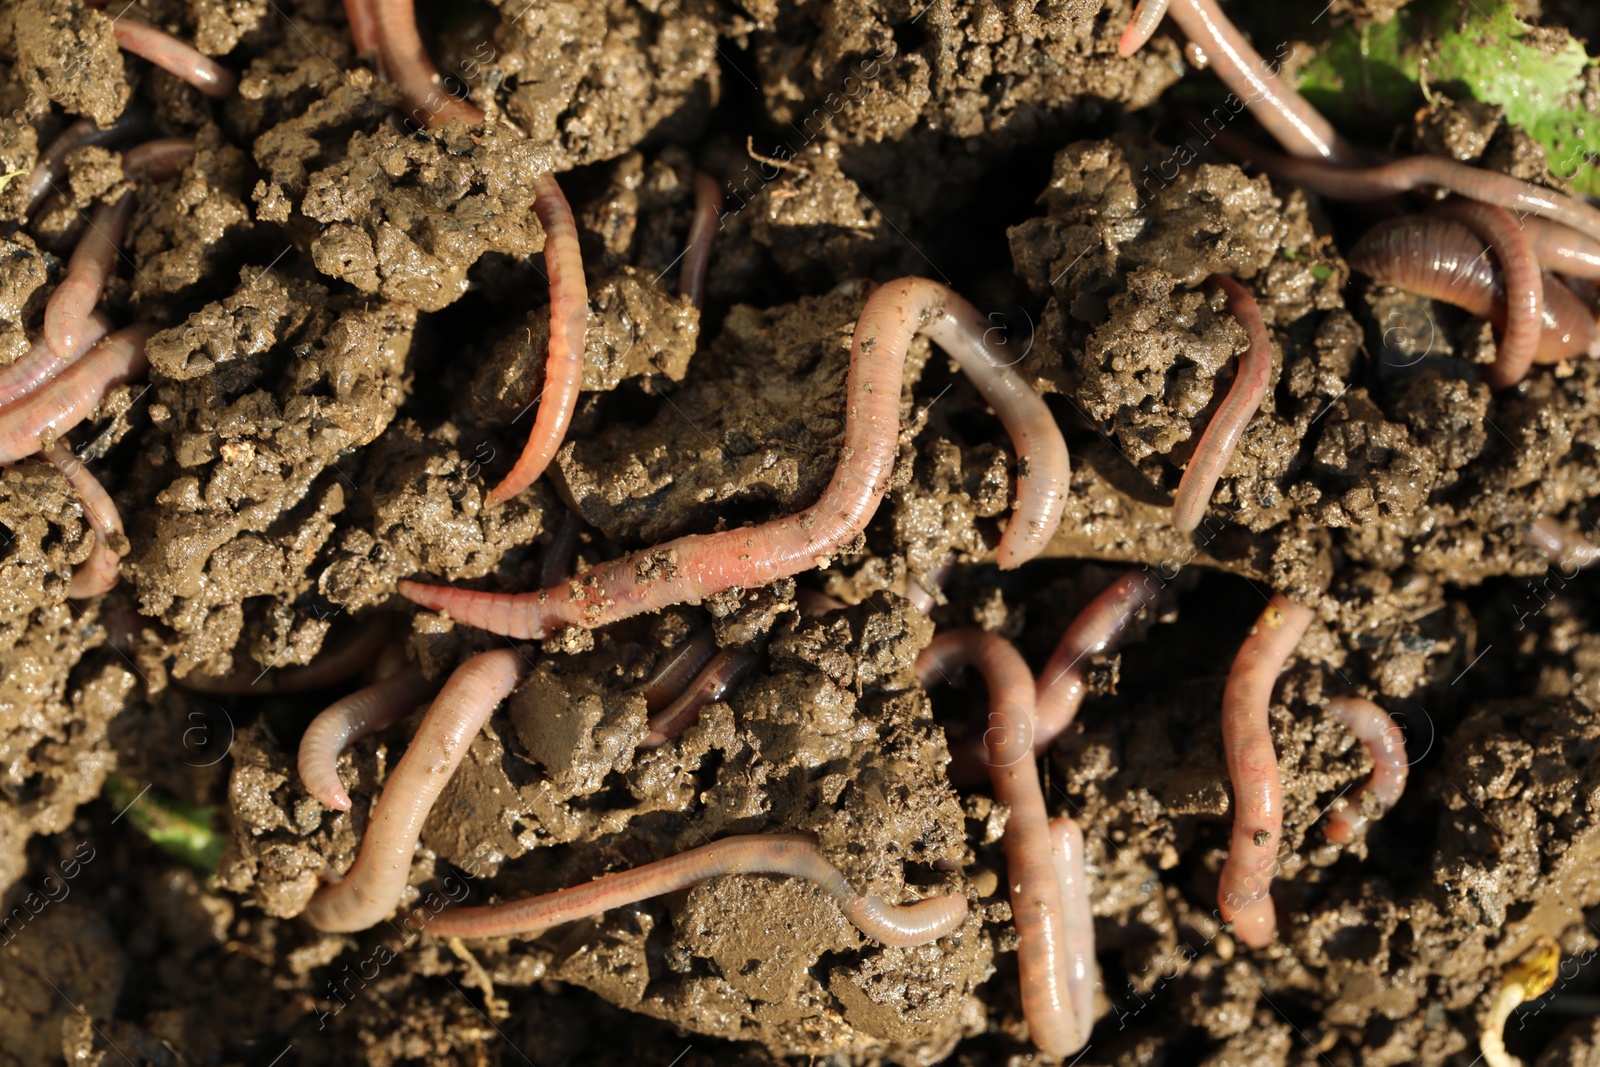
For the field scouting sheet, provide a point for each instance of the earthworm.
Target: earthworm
(342, 723)
(1242, 891)
(66, 316)
(1282, 111)
(1044, 963)
(1404, 175)
(363, 25)
(726, 669)
(699, 565)
(677, 669)
(97, 574)
(815, 605)
(52, 163)
(339, 660)
(1387, 745)
(1227, 426)
(1146, 17)
(1565, 545)
(1442, 259)
(41, 365)
(74, 394)
(1066, 850)
(707, 219)
(555, 565)
(923, 598)
(1562, 249)
(569, 319)
(795, 855)
(400, 48)
(1524, 285)
(373, 885)
(175, 57)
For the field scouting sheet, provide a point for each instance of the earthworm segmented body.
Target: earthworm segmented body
(1565, 545)
(795, 855)
(52, 164)
(1066, 849)
(726, 669)
(1563, 250)
(99, 573)
(1055, 979)
(1387, 745)
(555, 564)
(394, 26)
(1146, 17)
(41, 365)
(66, 316)
(1444, 260)
(1227, 426)
(707, 219)
(74, 394)
(346, 721)
(569, 320)
(373, 885)
(699, 565)
(175, 57)
(1524, 286)
(363, 25)
(677, 669)
(1242, 891)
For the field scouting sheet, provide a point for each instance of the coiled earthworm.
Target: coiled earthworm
(1282, 111)
(400, 48)
(66, 316)
(1146, 17)
(1562, 249)
(1050, 989)
(1066, 849)
(700, 565)
(1444, 260)
(373, 885)
(1246, 881)
(40, 365)
(1566, 546)
(342, 723)
(677, 669)
(1524, 286)
(555, 565)
(52, 163)
(363, 25)
(74, 394)
(569, 319)
(175, 57)
(1415, 172)
(795, 855)
(726, 669)
(99, 573)
(1387, 745)
(1221, 436)
(344, 655)
(707, 219)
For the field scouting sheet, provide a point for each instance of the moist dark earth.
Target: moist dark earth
(354, 321)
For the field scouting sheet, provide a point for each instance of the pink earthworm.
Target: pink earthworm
(1282, 111)
(74, 394)
(1562, 249)
(677, 669)
(66, 315)
(52, 164)
(1146, 17)
(1565, 545)
(363, 25)
(923, 598)
(40, 365)
(1227, 426)
(1524, 286)
(1044, 960)
(569, 319)
(372, 887)
(341, 658)
(1443, 259)
(404, 57)
(1415, 172)
(1386, 743)
(99, 573)
(555, 565)
(1246, 881)
(699, 565)
(726, 670)
(796, 855)
(1066, 850)
(342, 723)
(175, 57)
(707, 220)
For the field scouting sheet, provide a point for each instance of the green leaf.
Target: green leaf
(1469, 49)
(9, 177)
(187, 831)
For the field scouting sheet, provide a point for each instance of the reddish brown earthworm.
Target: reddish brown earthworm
(66, 316)
(363, 25)
(1524, 286)
(372, 887)
(815, 605)
(1246, 881)
(1044, 956)
(404, 57)
(41, 365)
(1066, 850)
(677, 669)
(555, 565)
(1562, 249)
(52, 163)
(1444, 260)
(569, 319)
(702, 232)
(1415, 172)
(700, 565)
(1387, 745)
(1221, 436)
(346, 721)
(1146, 17)
(795, 855)
(726, 670)
(99, 573)
(1565, 545)
(1282, 111)
(60, 405)
(174, 57)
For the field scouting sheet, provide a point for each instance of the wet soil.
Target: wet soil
(353, 327)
